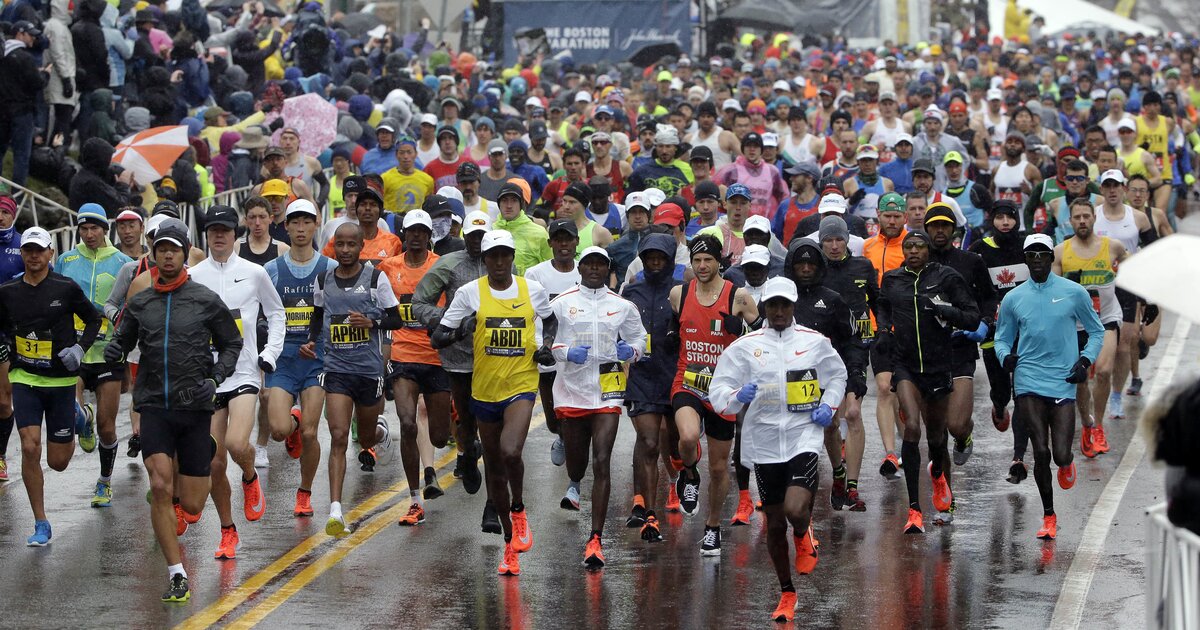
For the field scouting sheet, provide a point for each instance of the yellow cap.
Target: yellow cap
(935, 49)
(952, 156)
(275, 188)
(665, 75)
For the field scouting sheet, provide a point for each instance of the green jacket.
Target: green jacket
(532, 240)
(94, 270)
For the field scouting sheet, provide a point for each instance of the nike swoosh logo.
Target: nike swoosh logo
(1059, 401)
(800, 352)
(612, 313)
(932, 286)
(237, 280)
(516, 306)
(1056, 301)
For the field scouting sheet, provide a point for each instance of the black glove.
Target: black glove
(112, 352)
(205, 391)
(266, 108)
(544, 356)
(466, 327)
(276, 124)
(1149, 314)
(927, 304)
(1010, 362)
(856, 383)
(1079, 371)
(857, 197)
(68, 88)
(734, 324)
(671, 343)
(265, 366)
(884, 342)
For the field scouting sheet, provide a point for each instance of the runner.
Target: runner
(885, 253)
(1150, 325)
(415, 369)
(378, 243)
(130, 223)
(785, 401)
(1044, 313)
(11, 265)
(919, 303)
(257, 246)
(296, 379)
(504, 380)
(244, 288)
(598, 332)
(351, 304)
(710, 314)
(175, 325)
(94, 265)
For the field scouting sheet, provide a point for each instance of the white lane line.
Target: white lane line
(1071, 600)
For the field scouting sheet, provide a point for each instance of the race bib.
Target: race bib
(406, 311)
(697, 378)
(237, 319)
(612, 381)
(80, 325)
(647, 344)
(35, 348)
(803, 390)
(343, 336)
(863, 324)
(505, 336)
(297, 314)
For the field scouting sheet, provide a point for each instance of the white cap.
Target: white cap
(1113, 174)
(476, 221)
(799, 81)
(995, 94)
(731, 103)
(37, 236)
(450, 192)
(779, 287)
(933, 112)
(757, 254)
(1039, 239)
(428, 119)
(533, 101)
(757, 222)
(498, 238)
(129, 215)
(654, 197)
(770, 139)
(583, 97)
(417, 216)
(832, 203)
(636, 199)
(676, 84)
(301, 206)
(594, 249)
(782, 85)
(1127, 123)
(903, 137)
(154, 222)
(867, 152)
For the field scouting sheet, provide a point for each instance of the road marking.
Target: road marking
(1068, 611)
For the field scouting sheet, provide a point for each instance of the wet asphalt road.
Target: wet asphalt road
(986, 570)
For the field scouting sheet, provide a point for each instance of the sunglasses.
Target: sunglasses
(601, 142)
(915, 245)
(1040, 255)
(1076, 178)
(604, 118)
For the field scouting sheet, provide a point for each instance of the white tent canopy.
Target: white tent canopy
(1062, 15)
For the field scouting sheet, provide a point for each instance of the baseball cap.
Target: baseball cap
(92, 213)
(38, 237)
(887, 95)
(731, 103)
(420, 217)
(756, 255)
(952, 156)
(129, 214)
(637, 200)
(497, 146)
(498, 238)
(25, 26)
(752, 138)
(467, 172)
(939, 211)
(276, 188)
(174, 232)
(154, 222)
(707, 189)
(777, 287)
(476, 221)
(957, 107)
(832, 203)
(770, 139)
(668, 214)
(594, 250)
(386, 125)
(274, 152)
(300, 207)
(759, 223)
(221, 215)
(537, 131)
(737, 190)
(428, 119)
(903, 137)
(447, 129)
(369, 193)
(1039, 241)
(995, 94)
(782, 85)
(562, 225)
(583, 97)
(700, 154)
(803, 168)
(923, 165)
(892, 202)
(1127, 123)
(867, 152)
(509, 188)
(1112, 174)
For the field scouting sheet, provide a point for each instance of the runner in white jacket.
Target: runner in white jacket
(598, 332)
(788, 381)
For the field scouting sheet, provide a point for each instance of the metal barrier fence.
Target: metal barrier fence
(1173, 572)
(30, 202)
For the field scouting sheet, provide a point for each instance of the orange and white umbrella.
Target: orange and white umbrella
(150, 153)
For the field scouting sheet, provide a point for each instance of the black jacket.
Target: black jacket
(30, 315)
(94, 183)
(174, 331)
(921, 309)
(1004, 258)
(855, 279)
(650, 380)
(250, 57)
(20, 82)
(91, 51)
(823, 310)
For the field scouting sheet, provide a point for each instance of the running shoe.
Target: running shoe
(593, 553)
(85, 426)
(786, 610)
(854, 501)
(366, 460)
(963, 450)
(181, 524)
(177, 590)
(570, 500)
(1001, 421)
(1100, 439)
(510, 564)
(558, 451)
(336, 526)
(190, 519)
(890, 468)
(261, 457)
(710, 545)
(915, 524)
(383, 449)
(3, 469)
(491, 520)
(472, 478)
(229, 544)
(637, 516)
(1087, 444)
(135, 445)
(946, 517)
(102, 495)
(673, 504)
(1114, 406)
(1017, 472)
(745, 509)
(522, 539)
(415, 515)
(303, 503)
(253, 501)
(806, 553)
(432, 489)
(689, 494)
(838, 497)
(1049, 530)
(294, 444)
(1066, 476)
(1135, 387)
(942, 496)
(458, 465)
(650, 531)
(41, 534)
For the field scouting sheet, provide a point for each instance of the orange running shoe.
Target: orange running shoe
(191, 519)
(415, 516)
(522, 539)
(676, 463)
(1087, 444)
(942, 498)
(593, 554)
(650, 531)
(181, 523)
(806, 553)
(672, 499)
(252, 499)
(293, 443)
(229, 544)
(1100, 440)
(786, 610)
(1066, 476)
(745, 508)
(510, 564)
(1049, 528)
(916, 523)
(890, 468)
(303, 503)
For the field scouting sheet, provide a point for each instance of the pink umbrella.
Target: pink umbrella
(316, 120)
(151, 153)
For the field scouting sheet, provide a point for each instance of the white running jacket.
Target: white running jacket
(596, 318)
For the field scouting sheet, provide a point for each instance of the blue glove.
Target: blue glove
(578, 354)
(624, 351)
(980, 333)
(823, 415)
(747, 393)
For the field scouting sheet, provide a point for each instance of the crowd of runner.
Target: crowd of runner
(733, 253)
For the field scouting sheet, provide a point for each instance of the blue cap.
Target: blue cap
(737, 190)
(92, 213)
(605, 109)
(518, 144)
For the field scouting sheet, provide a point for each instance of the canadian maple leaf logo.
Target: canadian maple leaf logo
(1006, 276)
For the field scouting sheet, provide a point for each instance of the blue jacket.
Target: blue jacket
(379, 161)
(11, 263)
(1044, 316)
(536, 176)
(900, 172)
(94, 270)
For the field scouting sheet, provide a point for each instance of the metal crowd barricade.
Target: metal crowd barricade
(1173, 572)
(30, 202)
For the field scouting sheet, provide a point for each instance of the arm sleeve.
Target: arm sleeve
(1006, 329)
(633, 332)
(272, 307)
(727, 381)
(1031, 204)
(964, 312)
(384, 295)
(429, 289)
(116, 297)
(226, 338)
(831, 374)
(461, 306)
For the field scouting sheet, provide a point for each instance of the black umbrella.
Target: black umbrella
(359, 23)
(768, 15)
(270, 9)
(650, 55)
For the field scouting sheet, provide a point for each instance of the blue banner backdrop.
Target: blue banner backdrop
(598, 31)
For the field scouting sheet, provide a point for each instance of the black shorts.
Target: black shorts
(221, 400)
(363, 390)
(639, 408)
(963, 367)
(932, 386)
(1081, 336)
(430, 379)
(94, 375)
(180, 434)
(1128, 302)
(56, 404)
(881, 362)
(774, 480)
(715, 427)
